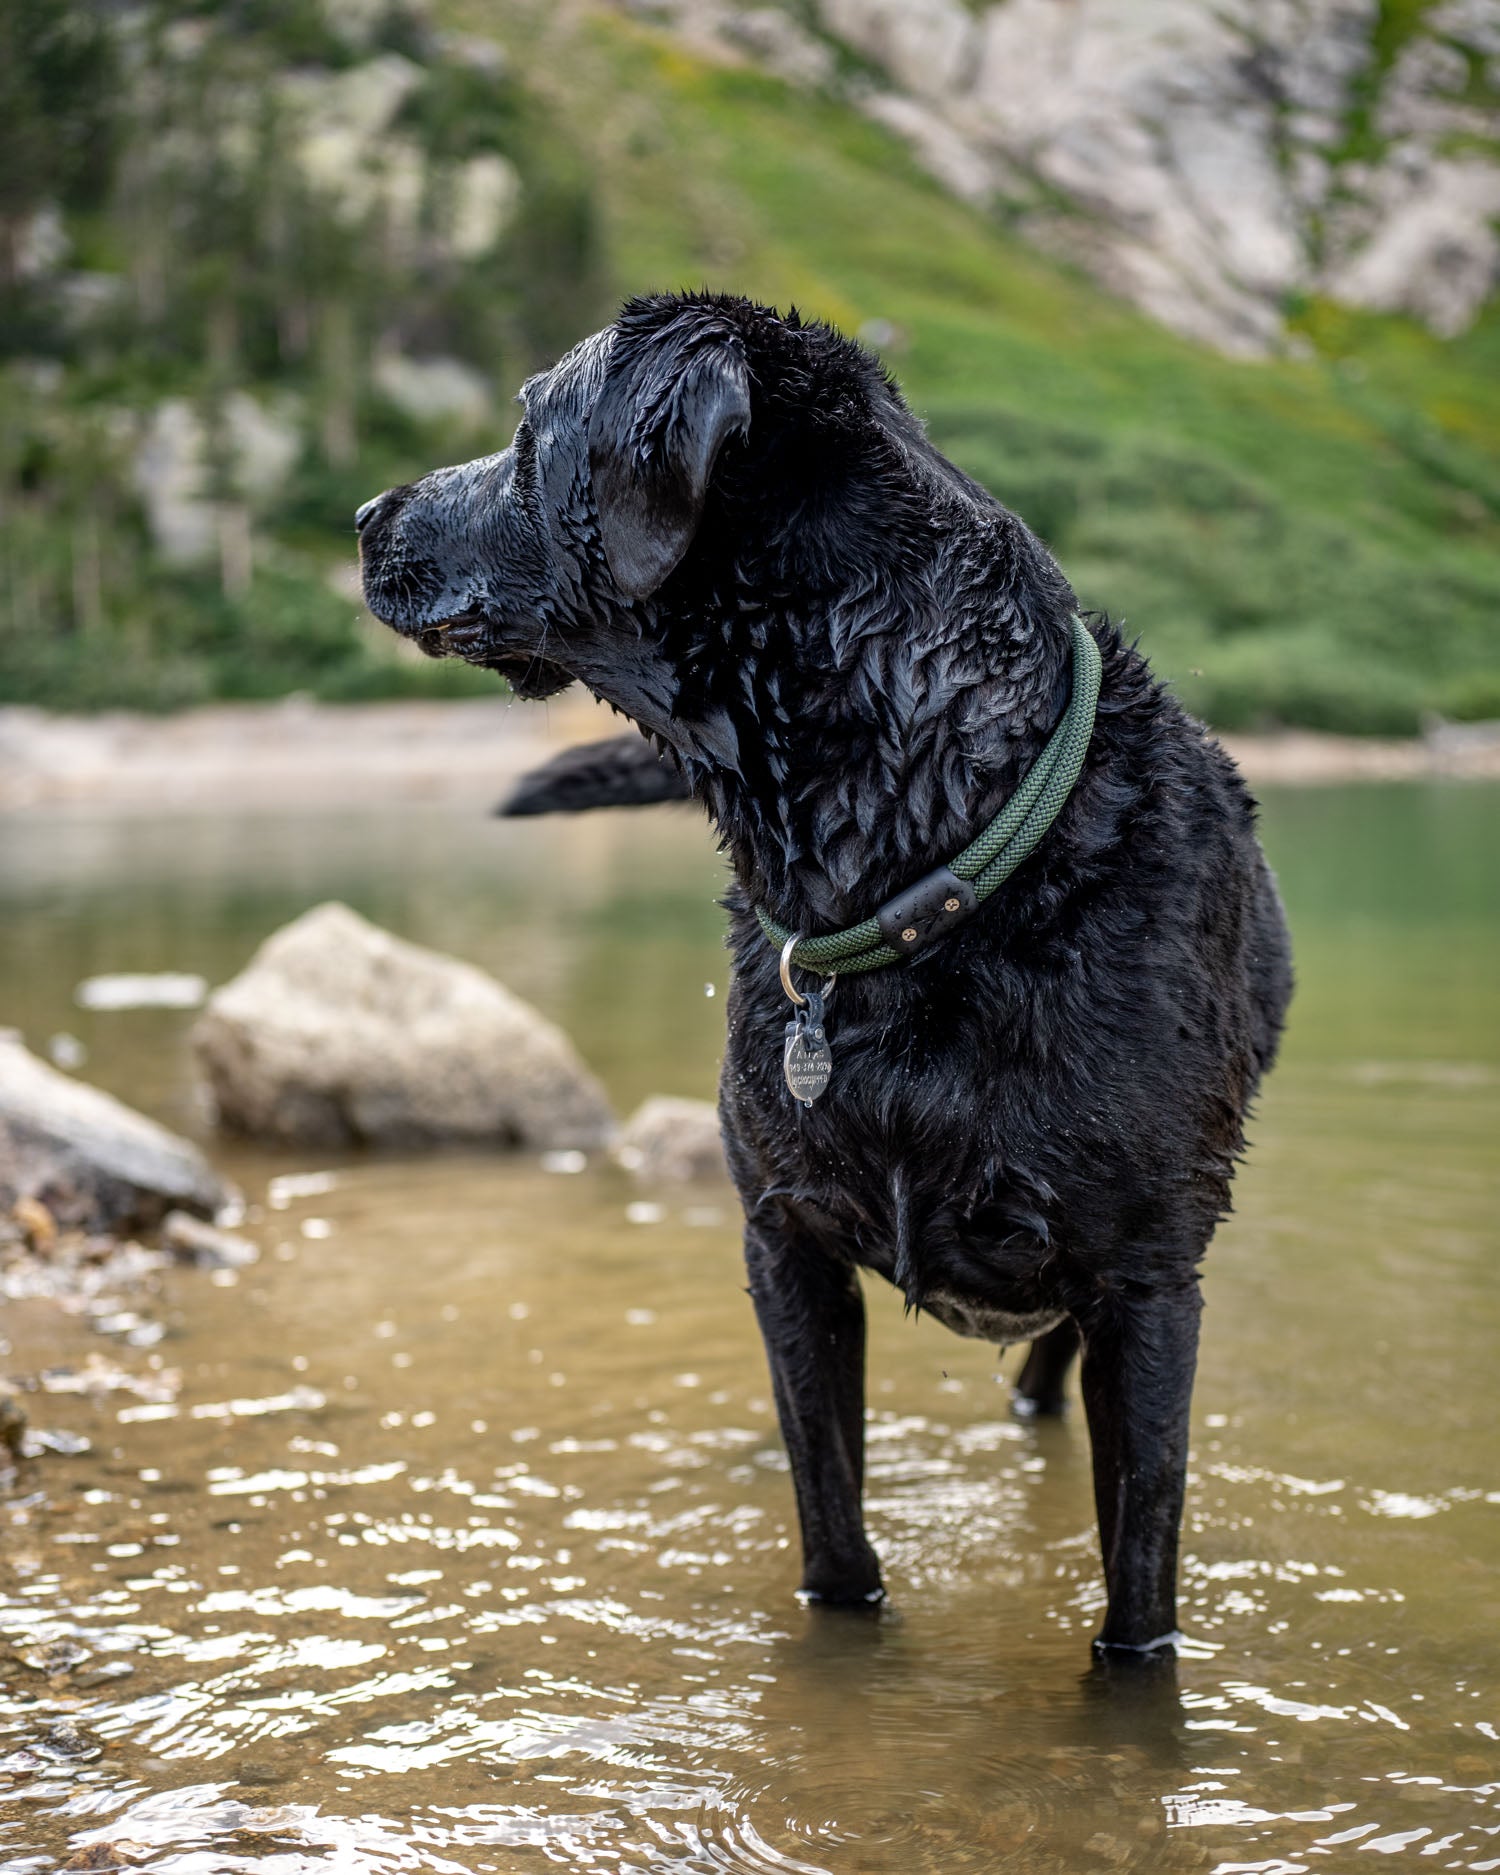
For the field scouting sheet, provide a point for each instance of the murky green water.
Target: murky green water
(455, 1534)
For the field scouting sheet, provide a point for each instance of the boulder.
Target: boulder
(90, 1161)
(671, 1141)
(1435, 254)
(338, 1034)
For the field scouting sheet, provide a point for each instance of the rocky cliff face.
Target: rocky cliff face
(1209, 160)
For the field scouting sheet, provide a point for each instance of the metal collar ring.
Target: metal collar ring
(786, 974)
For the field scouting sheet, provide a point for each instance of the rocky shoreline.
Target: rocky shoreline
(338, 1037)
(298, 754)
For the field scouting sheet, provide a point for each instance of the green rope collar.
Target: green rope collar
(907, 923)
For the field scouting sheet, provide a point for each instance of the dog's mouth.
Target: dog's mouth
(468, 635)
(464, 635)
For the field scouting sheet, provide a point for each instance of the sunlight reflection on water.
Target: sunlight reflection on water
(455, 1534)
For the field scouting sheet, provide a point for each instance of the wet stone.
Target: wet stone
(54, 1657)
(668, 1140)
(193, 1241)
(66, 1741)
(257, 1776)
(36, 1224)
(102, 1674)
(86, 1159)
(106, 1855)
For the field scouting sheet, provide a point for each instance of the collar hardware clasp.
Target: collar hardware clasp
(926, 911)
(913, 919)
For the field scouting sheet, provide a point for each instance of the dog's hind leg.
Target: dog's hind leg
(1139, 1354)
(812, 1319)
(1039, 1392)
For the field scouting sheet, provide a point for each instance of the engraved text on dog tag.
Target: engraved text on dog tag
(806, 1058)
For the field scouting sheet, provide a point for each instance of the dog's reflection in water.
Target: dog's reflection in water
(890, 1745)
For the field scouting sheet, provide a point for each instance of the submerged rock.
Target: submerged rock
(338, 1034)
(671, 1141)
(86, 1159)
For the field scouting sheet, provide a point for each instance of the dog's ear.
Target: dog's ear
(670, 401)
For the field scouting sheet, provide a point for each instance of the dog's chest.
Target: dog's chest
(981, 1276)
(956, 1226)
(979, 1323)
(933, 1158)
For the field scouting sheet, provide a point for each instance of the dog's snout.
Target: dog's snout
(364, 515)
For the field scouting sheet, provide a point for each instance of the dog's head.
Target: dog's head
(696, 448)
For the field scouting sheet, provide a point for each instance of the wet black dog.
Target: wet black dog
(729, 526)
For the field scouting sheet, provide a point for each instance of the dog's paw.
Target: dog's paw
(857, 1601)
(855, 1584)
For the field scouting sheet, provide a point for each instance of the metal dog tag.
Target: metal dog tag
(806, 1058)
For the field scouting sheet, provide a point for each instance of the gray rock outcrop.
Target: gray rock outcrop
(671, 1141)
(343, 130)
(339, 1034)
(174, 476)
(1205, 159)
(92, 1162)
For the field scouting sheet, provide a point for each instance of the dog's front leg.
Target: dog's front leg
(812, 1319)
(1140, 1349)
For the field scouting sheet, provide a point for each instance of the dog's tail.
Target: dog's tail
(621, 771)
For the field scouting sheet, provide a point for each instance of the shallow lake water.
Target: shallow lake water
(455, 1534)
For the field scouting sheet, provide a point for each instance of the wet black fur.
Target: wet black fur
(729, 526)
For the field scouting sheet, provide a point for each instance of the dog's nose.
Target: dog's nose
(363, 516)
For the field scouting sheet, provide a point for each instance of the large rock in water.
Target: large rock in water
(338, 1034)
(96, 1164)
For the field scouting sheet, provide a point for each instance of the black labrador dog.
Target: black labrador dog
(728, 525)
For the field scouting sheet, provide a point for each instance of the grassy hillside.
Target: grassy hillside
(1314, 541)
(1309, 541)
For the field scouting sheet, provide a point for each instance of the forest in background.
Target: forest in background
(260, 259)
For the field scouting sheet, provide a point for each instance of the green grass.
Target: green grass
(1310, 540)
(1307, 540)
